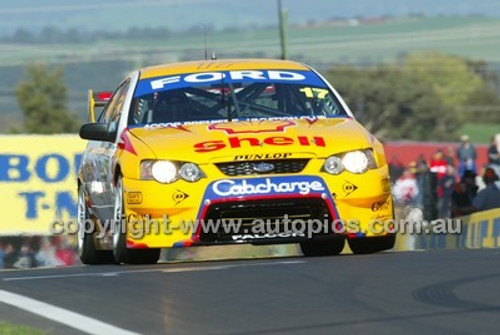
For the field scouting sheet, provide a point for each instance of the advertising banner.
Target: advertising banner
(479, 230)
(38, 181)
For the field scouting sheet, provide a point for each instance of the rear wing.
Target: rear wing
(97, 99)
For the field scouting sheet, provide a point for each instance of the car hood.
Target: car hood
(226, 141)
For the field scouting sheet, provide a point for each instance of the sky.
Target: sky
(182, 14)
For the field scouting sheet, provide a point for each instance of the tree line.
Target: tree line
(425, 96)
(54, 35)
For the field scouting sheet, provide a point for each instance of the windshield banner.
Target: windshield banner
(152, 85)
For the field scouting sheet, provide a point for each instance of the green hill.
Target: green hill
(102, 64)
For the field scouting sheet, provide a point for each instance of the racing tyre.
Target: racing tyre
(86, 245)
(369, 245)
(322, 248)
(120, 251)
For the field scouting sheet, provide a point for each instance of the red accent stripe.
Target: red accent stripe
(134, 245)
(125, 143)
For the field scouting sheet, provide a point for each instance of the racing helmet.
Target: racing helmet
(171, 106)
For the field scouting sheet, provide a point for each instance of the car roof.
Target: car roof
(220, 65)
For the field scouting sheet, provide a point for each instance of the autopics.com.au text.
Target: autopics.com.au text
(139, 227)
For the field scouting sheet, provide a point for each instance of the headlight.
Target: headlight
(167, 172)
(164, 171)
(333, 165)
(358, 161)
(190, 172)
(355, 161)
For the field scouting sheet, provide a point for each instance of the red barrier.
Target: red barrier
(407, 151)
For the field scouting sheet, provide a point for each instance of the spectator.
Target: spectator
(489, 197)
(439, 166)
(396, 168)
(2, 254)
(412, 167)
(448, 157)
(46, 256)
(466, 155)
(497, 141)
(26, 258)
(463, 194)
(446, 184)
(493, 152)
(64, 253)
(10, 256)
(421, 169)
(422, 166)
(405, 189)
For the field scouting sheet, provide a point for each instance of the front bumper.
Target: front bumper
(170, 215)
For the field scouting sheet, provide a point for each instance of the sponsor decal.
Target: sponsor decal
(380, 219)
(267, 187)
(151, 85)
(171, 125)
(179, 196)
(251, 127)
(238, 142)
(348, 188)
(386, 185)
(229, 187)
(262, 156)
(263, 167)
(134, 198)
(379, 205)
(180, 124)
(38, 176)
(250, 237)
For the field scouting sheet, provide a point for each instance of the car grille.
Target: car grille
(245, 214)
(246, 168)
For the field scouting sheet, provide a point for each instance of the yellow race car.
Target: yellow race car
(226, 152)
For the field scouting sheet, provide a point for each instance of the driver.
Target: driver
(171, 106)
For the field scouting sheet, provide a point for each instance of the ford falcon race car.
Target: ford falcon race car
(226, 152)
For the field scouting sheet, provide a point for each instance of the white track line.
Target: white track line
(225, 267)
(76, 275)
(74, 320)
(157, 269)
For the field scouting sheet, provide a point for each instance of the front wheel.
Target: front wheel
(120, 251)
(322, 248)
(369, 245)
(86, 245)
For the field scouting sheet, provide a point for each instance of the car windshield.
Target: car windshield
(233, 95)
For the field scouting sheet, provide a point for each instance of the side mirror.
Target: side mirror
(97, 132)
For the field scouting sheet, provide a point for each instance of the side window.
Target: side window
(112, 111)
(104, 116)
(115, 112)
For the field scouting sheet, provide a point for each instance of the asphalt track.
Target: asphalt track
(429, 292)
